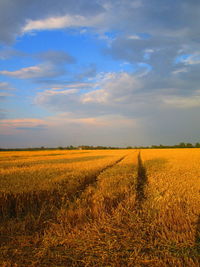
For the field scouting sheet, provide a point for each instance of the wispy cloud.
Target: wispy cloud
(59, 129)
(24, 122)
(134, 37)
(156, 86)
(60, 22)
(109, 93)
(192, 59)
(8, 53)
(32, 72)
(5, 94)
(13, 126)
(44, 15)
(122, 94)
(180, 70)
(53, 65)
(82, 86)
(5, 86)
(65, 120)
(113, 87)
(183, 102)
(5, 90)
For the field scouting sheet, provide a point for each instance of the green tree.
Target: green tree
(189, 145)
(182, 145)
(197, 145)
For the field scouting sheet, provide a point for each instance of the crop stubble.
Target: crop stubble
(114, 208)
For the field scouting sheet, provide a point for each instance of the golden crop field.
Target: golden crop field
(100, 208)
(29, 171)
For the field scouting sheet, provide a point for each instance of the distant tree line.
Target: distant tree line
(86, 147)
(180, 145)
(83, 147)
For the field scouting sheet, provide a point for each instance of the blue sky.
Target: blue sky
(99, 72)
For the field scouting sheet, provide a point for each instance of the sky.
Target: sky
(100, 72)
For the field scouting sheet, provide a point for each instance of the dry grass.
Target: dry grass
(34, 187)
(174, 195)
(114, 210)
(41, 171)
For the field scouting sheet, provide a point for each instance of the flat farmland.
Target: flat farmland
(28, 171)
(100, 207)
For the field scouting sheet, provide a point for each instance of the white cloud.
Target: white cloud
(133, 37)
(181, 70)
(113, 87)
(110, 93)
(106, 88)
(192, 59)
(17, 16)
(98, 96)
(62, 92)
(38, 71)
(120, 94)
(60, 22)
(137, 36)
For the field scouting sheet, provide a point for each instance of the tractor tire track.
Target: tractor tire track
(93, 179)
(18, 205)
(141, 182)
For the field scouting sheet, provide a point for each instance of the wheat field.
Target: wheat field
(100, 208)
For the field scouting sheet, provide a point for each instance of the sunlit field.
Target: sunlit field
(173, 195)
(100, 208)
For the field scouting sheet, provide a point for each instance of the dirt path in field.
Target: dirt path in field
(93, 179)
(20, 204)
(142, 181)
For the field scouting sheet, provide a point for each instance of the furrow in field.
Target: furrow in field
(135, 210)
(97, 228)
(14, 205)
(93, 179)
(25, 216)
(142, 181)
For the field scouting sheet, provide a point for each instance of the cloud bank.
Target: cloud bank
(154, 93)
